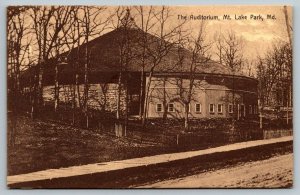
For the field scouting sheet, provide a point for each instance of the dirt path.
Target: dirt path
(275, 172)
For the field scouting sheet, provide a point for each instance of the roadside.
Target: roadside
(127, 173)
(275, 172)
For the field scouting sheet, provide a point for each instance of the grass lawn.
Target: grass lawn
(43, 144)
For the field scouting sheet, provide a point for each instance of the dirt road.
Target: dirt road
(275, 172)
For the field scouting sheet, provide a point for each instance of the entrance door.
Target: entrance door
(134, 105)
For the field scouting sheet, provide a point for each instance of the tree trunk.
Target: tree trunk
(86, 89)
(260, 119)
(146, 99)
(78, 91)
(141, 94)
(126, 105)
(287, 109)
(186, 117)
(40, 85)
(165, 106)
(73, 103)
(118, 114)
(56, 89)
(34, 94)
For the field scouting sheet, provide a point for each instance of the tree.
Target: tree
(71, 38)
(126, 27)
(219, 39)
(92, 23)
(158, 47)
(147, 22)
(48, 23)
(17, 47)
(191, 61)
(274, 73)
(17, 50)
(232, 57)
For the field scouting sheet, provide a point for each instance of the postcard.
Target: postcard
(150, 96)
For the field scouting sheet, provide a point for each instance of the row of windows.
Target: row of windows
(198, 108)
(170, 108)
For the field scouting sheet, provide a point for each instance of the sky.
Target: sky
(258, 35)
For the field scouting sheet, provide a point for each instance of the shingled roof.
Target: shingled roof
(104, 55)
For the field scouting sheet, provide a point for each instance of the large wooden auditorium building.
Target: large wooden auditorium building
(218, 93)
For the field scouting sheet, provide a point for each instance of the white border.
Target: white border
(296, 69)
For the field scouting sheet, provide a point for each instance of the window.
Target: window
(198, 108)
(158, 107)
(171, 108)
(211, 108)
(230, 108)
(250, 109)
(220, 108)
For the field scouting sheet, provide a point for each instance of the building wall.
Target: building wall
(206, 91)
(244, 102)
(100, 96)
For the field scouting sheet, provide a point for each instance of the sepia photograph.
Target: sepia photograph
(125, 97)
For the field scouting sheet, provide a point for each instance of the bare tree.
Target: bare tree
(191, 61)
(126, 41)
(92, 24)
(147, 22)
(219, 39)
(232, 57)
(248, 67)
(61, 44)
(103, 100)
(17, 50)
(17, 32)
(48, 22)
(273, 73)
(71, 39)
(267, 74)
(158, 48)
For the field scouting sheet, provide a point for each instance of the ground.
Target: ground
(46, 144)
(151, 174)
(270, 173)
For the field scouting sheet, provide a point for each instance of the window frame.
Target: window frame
(230, 111)
(172, 106)
(200, 108)
(213, 107)
(161, 107)
(220, 112)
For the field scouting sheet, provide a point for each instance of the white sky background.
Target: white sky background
(257, 35)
